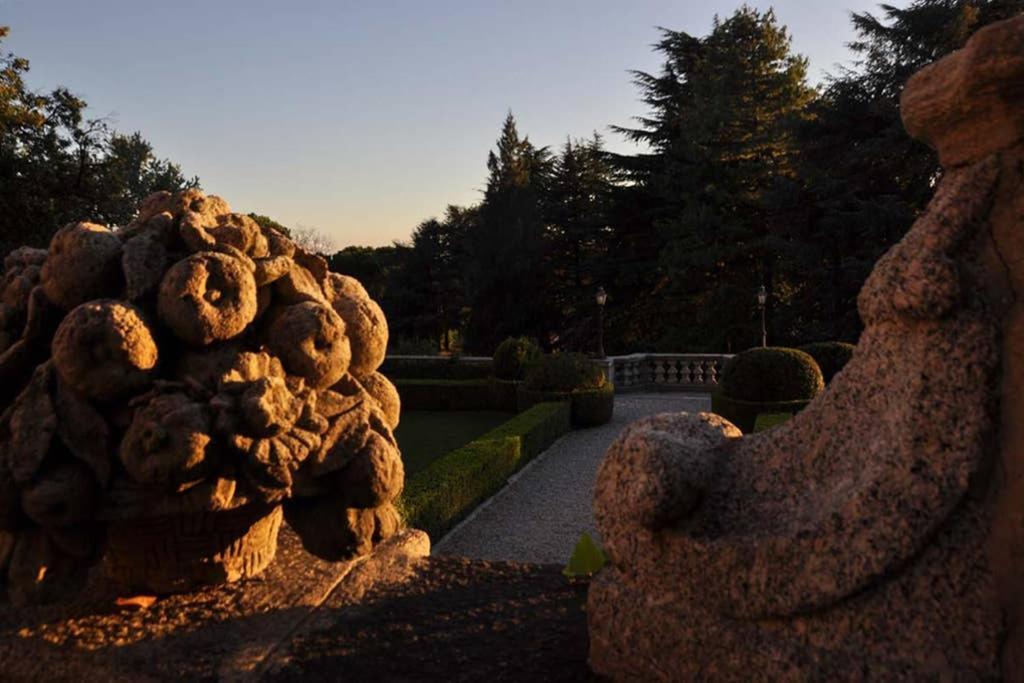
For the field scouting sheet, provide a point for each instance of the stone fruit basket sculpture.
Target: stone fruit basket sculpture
(170, 390)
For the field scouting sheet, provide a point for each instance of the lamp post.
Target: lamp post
(601, 297)
(762, 299)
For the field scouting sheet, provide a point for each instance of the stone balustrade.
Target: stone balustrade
(667, 371)
(635, 372)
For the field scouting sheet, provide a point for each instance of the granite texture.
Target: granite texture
(877, 534)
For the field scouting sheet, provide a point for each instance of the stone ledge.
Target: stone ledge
(224, 632)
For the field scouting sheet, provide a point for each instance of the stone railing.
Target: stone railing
(666, 371)
(635, 372)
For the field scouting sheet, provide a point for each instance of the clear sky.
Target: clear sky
(363, 118)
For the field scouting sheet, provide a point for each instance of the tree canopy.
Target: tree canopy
(747, 175)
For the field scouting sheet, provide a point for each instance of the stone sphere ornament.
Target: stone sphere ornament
(175, 389)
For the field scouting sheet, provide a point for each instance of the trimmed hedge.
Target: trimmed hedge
(766, 421)
(446, 394)
(453, 485)
(434, 368)
(512, 357)
(564, 372)
(505, 394)
(744, 414)
(589, 407)
(771, 374)
(830, 356)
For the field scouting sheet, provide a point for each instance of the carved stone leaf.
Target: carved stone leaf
(331, 403)
(345, 437)
(267, 469)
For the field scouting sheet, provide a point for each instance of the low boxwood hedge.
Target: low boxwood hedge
(513, 356)
(453, 485)
(771, 374)
(504, 393)
(744, 414)
(434, 368)
(589, 407)
(564, 372)
(766, 421)
(831, 357)
(446, 394)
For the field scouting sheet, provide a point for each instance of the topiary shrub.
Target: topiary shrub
(513, 356)
(563, 372)
(453, 485)
(593, 407)
(766, 380)
(572, 377)
(830, 356)
(773, 374)
(436, 367)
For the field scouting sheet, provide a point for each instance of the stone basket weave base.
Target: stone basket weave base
(172, 554)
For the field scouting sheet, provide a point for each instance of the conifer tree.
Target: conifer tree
(506, 278)
(719, 131)
(577, 207)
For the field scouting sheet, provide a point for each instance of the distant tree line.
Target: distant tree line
(747, 175)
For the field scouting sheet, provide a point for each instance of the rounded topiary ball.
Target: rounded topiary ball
(771, 374)
(564, 372)
(830, 356)
(513, 356)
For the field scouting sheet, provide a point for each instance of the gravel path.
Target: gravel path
(540, 515)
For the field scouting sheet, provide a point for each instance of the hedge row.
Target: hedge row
(744, 414)
(589, 407)
(434, 368)
(446, 491)
(447, 394)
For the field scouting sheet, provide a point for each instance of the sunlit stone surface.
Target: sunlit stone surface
(171, 390)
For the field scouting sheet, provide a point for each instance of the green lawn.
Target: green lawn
(425, 435)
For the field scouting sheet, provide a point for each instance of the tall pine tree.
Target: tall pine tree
(506, 278)
(577, 206)
(720, 138)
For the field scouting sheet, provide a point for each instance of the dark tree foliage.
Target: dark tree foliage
(57, 165)
(720, 129)
(747, 176)
(375, 267)
(577, 211)
(861, 179)
(505, 274)
(429, 297)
